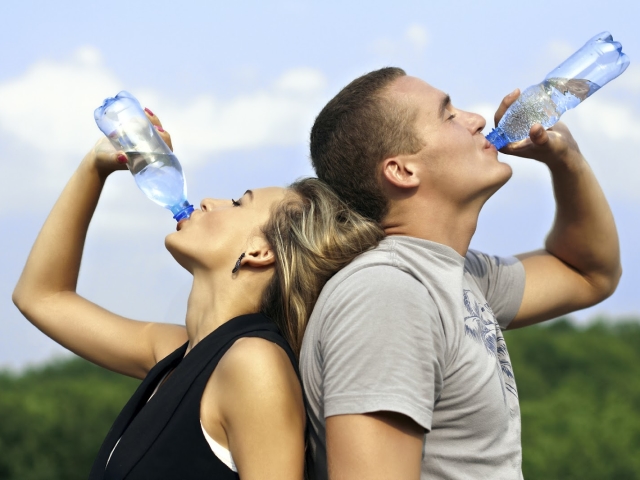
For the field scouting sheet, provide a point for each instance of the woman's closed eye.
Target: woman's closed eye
(235, 203)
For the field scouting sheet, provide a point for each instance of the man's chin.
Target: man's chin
(500, 180)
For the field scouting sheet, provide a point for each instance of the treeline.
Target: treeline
(579, 395)
(53, 419)
(580, 400)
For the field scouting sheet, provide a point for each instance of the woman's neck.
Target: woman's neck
(214, 301)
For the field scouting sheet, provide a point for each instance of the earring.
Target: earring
(237, 267)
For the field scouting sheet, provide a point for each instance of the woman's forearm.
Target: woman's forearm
(54, 261)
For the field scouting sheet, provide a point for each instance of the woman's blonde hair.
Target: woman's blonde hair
(313, 234)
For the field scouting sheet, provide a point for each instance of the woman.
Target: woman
(220, 398)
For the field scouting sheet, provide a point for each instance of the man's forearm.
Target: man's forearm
(584, 234)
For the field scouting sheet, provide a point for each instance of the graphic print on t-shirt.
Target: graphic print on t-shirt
(481, 325)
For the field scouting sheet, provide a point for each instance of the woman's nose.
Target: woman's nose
(211, 203)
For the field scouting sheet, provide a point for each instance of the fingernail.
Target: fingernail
(122, 158)
(148, 111)
(514, 92)
(159, 128)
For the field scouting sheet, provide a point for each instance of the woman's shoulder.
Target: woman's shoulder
(255, 382)
(255, 367)
(255, 357)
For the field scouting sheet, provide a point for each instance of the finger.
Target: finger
(506, 103)
(152, 117)
(165, 136)
(107, 156)
(514, 148)
(538, 134)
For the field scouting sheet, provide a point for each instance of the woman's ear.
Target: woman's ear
(401, 171)
(259, 254)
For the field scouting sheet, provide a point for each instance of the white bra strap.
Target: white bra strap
(219, 451)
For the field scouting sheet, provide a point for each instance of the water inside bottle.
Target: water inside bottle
(544, 103)
(159, 176)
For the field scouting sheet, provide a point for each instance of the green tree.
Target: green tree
(579, 394)
(53, 419)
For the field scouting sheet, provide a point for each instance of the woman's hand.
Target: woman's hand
(106, 159)
(46, 292)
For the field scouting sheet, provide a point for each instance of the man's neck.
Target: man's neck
(448, 225)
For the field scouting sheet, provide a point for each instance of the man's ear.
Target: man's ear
(401, 171)
(259, 254)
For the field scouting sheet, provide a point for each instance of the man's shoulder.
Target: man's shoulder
(372, 270)
(374, 285)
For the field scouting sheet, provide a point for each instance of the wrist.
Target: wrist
(570, 163)
(89, 167)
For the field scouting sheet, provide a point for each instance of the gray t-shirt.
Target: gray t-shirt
(413, 327)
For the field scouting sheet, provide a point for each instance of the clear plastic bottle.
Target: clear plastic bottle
(155, 168)
(598, 62)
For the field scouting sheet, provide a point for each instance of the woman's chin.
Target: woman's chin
(183, 260)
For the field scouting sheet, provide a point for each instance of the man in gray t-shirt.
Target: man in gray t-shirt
(403, 362)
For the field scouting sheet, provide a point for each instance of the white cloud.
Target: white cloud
(613, 120)
(279, 115)
(47, 115)
(559, 50)
(630, 79)
(414, 39)
(417, 36)
(51, 106)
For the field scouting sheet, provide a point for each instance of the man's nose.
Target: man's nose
(476, 122)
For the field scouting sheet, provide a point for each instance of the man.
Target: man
(404, 363)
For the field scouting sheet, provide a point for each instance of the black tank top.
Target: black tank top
(163, 439)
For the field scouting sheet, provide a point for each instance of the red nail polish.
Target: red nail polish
(148, 111)
(122, 158)
(159, 128)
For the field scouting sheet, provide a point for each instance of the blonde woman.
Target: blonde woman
(221, 398)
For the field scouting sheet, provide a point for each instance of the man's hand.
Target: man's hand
(553, 147)
(580, 264)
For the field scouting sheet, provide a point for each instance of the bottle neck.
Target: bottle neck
(497, 138)
(182, 212)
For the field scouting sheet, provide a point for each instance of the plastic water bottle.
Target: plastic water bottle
(583, 73)
(155, 168)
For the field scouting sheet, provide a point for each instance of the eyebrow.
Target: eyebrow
(444, 103)
(250, 192)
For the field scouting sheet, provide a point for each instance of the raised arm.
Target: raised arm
(46, 292)
(580, 263)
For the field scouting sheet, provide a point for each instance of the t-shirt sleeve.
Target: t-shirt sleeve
(501, 279)
(382, 346)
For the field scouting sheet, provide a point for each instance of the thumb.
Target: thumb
(120, 157)
(538, 135)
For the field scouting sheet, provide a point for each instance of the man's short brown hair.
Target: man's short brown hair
(354, 132)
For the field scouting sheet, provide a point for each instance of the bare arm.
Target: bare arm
(580, 263)
(46, 291)
(375, 446)
(253, 404)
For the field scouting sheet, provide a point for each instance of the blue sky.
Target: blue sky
(238, 85)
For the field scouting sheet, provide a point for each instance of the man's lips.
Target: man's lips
(489, 145)
(180, 223)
